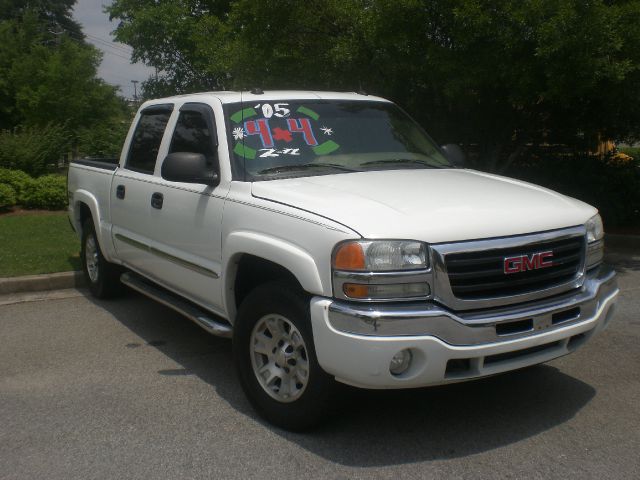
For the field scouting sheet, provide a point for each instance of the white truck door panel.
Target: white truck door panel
(187, 243)
(131, 190)
(130, 217)
(186, 227)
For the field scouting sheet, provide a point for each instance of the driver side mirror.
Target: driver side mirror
(189, 168)
(455, 154)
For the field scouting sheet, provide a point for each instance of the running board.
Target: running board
(197, 315)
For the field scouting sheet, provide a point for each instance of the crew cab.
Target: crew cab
(334, 241)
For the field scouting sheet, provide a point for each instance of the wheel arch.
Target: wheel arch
(86, 206)
(253, 259)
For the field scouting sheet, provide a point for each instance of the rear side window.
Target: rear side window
(146, 140)
(192, 134)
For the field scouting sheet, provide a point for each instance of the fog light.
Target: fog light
(400, 362)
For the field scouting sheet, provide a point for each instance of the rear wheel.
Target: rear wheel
(102, 277)
(275, 358)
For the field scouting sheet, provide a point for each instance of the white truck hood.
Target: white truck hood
(435, 205)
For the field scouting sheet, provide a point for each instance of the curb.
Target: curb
(37, 283)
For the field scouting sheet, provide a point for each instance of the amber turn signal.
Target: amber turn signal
(349, 256)
(355, 290)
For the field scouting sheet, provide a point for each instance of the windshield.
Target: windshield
(277, 139)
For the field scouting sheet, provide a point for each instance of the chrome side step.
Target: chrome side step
(197, 315)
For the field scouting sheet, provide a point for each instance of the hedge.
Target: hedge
(16, 179)
(34, 150)
(610, 184)
(7, 196)
(48, 192)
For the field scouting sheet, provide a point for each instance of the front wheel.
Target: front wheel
(275, 358)
(102, 277)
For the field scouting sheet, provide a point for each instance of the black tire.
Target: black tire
(314, 402)
(104, 281)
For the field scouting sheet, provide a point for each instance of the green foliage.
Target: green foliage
(185, 27)
(104, 140)
(34, 150)
(57, 14)
(611, 186)
(499, 75)
(7, 196)
(49, 74)
(631, 151)
(48, 192)
(16, 179)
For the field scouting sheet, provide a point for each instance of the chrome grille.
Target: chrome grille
(480, 274)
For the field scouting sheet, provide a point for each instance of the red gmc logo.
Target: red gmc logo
(522, 263)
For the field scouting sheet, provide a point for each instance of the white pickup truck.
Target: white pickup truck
(332, 239)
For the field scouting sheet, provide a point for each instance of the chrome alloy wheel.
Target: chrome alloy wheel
(279, 358)
(91, 257)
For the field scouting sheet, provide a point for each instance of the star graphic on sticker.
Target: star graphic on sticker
(327, 130)
(280, 134)
(238, 133)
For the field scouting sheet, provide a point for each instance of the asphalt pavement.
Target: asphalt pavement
(129, 389)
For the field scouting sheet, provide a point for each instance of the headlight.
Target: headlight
(595, 242)
(595, 229)
(381, 270)
(380, 256)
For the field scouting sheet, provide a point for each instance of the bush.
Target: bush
(16, 179)
(33, 150)
(103, 140)
(48, 192)
(631, 151)
(611, 185)
(7, 196)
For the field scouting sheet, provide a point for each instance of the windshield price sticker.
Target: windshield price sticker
(286, 137)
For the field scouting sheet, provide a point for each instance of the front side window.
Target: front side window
(146, 140)
(192, 134)
(277, 139)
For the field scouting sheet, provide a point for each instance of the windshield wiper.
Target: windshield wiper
(391, 161)
(304, 166)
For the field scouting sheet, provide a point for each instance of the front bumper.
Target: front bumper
(356, 343)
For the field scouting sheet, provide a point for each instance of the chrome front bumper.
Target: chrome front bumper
(476, 327)
(355, 343)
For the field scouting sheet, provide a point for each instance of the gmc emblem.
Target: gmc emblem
(522, 263)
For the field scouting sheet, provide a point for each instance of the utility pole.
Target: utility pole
(135, 90)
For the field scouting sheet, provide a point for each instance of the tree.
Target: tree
(50, 75)
(55, 14)
(169, 35)
(496, 76)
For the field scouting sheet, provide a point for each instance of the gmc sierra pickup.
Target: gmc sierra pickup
(333, 240)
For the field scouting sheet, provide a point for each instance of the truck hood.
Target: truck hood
(435, 205)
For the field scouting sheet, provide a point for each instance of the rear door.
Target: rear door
(186, 227)
(132, 188)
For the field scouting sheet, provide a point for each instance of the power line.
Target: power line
(118, 51)
(116, 54)
(110, 44)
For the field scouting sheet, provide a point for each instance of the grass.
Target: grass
(37, 243)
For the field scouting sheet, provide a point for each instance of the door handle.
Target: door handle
(156, 200)
(120, 191)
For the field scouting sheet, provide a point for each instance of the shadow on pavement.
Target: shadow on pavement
(623, 260)
(376, 428)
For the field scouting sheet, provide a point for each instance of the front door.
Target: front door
(186, 227)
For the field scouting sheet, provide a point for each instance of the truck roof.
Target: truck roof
(228, 96)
